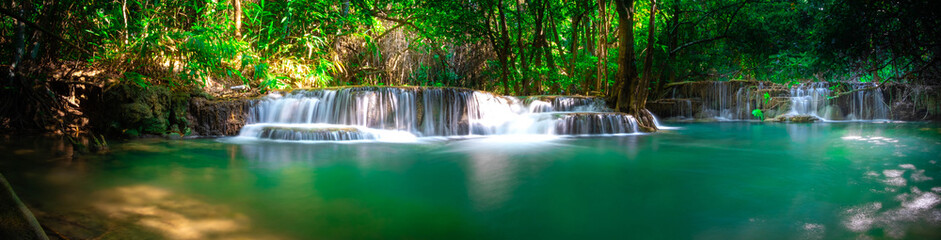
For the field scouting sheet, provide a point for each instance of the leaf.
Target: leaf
(758, 114)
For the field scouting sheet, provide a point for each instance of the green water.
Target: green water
(703, 181)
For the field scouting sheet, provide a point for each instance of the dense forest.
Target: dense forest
(625, 50)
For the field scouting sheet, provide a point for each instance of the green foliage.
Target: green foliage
(136, 78)
(758, 114)
(550, 44)
(268, 81)
(767, 98)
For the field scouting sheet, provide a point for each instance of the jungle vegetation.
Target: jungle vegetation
(627, 50)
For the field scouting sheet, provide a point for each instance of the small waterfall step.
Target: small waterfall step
(382, 113)
(323, 132)
(549, 103)
(581, 123)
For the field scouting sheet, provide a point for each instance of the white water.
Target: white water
(720, 103)
(736, 100)
(404, 114)
(656, 122)
(814, 99)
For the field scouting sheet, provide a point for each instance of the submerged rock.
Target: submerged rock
(801, 119)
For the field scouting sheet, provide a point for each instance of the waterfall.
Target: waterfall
(323, 132)
(808, 99)
(735, 100)
(406, 113)
(865, 102)
(656, 122)
(723, 100)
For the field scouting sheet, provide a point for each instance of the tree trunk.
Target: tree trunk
(627, 71)
(539, 37)
(19, 43)
(573, 50)
(550, 58)
(124, 14)
(504, 50)
(601, 81)
(523, 87)
(640, 90)
(589, 77)
(238, 18)
(667, 74)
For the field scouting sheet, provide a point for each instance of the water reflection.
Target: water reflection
(491, 180)
(911, 207)
(173, 215)
(279, 155)
(705, 181)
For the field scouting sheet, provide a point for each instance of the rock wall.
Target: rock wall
(914, 102)
(130, 110)
(217, 117)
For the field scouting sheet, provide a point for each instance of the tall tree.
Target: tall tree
(627, 71)
(539, 42)
(523, 86)
(238, 18)
(639, 96)
(501, 44)
(602, 75)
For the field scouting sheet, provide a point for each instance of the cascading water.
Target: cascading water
(865, 102)
(735, 100)
(403, 114)
(721, 100)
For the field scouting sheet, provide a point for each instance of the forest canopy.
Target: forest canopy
(518, 47)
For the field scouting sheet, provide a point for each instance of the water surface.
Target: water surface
(701, 181)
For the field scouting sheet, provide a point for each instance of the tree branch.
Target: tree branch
(689, 44)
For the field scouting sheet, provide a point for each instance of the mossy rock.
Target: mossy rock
(131, 113)
(148, 111)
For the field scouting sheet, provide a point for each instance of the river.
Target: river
(745, 180)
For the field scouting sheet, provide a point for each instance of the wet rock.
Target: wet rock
(217, 117)
(801, 119)
(131, 110)
(769, 113)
